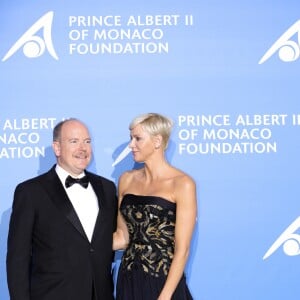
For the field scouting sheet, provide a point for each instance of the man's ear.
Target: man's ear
(56, 148)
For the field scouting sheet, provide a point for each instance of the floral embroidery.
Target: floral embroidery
(151, 223)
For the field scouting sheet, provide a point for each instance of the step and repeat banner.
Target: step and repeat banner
(226, 72)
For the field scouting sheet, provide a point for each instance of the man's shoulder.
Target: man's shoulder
(38, 178)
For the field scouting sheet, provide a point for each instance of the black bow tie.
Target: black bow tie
(83, 181)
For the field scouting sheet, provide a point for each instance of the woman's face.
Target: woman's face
(142, 144)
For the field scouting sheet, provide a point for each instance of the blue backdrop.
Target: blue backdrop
(226, 72)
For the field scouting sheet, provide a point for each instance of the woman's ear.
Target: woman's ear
(157, 141)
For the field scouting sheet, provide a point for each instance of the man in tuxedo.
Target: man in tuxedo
(61, 227)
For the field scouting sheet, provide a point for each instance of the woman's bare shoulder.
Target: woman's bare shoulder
(127, 179)
(182, 180)
(129, 175)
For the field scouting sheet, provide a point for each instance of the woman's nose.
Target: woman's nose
(131, 144)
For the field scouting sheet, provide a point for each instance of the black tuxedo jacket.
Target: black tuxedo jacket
(49, 256)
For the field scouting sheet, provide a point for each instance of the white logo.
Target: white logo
(122, 155)
(289, 240)
(288, 50)
(33, 45)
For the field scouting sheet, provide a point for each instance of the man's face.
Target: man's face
(73, 150)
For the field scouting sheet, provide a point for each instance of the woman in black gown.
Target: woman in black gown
(157, 214)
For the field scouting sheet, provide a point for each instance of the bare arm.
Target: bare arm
(120, 236)
(186, 211)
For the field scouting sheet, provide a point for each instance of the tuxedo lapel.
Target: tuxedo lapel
(58, 195)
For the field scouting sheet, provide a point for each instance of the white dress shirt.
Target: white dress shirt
(84, 201)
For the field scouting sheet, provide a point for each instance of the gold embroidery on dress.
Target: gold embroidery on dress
(151, 230)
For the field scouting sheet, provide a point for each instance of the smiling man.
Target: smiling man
(60, 235)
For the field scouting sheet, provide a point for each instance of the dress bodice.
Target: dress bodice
(151, 226)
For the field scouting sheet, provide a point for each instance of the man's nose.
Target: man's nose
(83, 145)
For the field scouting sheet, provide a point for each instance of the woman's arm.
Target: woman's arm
(120, 236)
(186, 212)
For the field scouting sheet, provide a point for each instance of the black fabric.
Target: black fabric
(146, 261)
(46, 234)
(84, 181)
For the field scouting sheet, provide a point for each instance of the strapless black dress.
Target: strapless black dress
(147, 259)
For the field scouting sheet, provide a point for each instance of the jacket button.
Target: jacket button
(92, 250)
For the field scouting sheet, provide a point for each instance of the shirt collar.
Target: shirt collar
(63, 174)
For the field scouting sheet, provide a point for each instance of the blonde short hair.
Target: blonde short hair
(154, 124)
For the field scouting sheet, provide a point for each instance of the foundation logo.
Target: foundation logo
(288, 48)
(122, 155)
(34, 45)
(289, 240)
